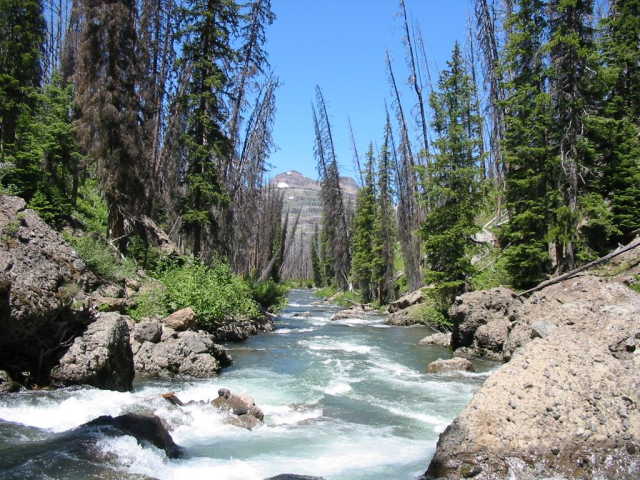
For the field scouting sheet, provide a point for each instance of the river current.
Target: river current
(344, 400)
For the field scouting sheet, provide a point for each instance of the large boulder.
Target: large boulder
(475, 309)
(238, 404)
(144, 428)
(450, 365)
(44, 287)
(406, 301)
(184, 319)
(567, 403)
(239, 330)
(188, 353)
(101, 357)
(440, 339)
(406, 317)
(7, 385)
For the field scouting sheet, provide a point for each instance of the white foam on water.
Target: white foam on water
(337, 388)
(335, 345)
(52, 413)
(287, 415)
(285, 331)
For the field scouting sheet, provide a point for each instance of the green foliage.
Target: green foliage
(326, 292)
(270, 295)
(428, 314)
(363, 254)
(102, 258)
(91, 209)
(636, 284)
(150, 303)
(45, 158)
(452, 179)
(492, 270)
(215, 293)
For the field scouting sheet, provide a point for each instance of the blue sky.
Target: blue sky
(340, 45)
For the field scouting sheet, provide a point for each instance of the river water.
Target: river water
(345, 400)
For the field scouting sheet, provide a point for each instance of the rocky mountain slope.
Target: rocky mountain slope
(302, 194)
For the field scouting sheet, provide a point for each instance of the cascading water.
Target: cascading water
(345, 400)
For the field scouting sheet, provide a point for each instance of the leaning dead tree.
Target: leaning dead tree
(410, 214)
(335, 225)
(488, 40)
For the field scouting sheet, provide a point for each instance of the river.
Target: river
(345, 400)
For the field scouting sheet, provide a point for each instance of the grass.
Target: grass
(101, 258)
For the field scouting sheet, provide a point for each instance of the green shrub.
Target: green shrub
(430, 315)
(150, 303)
(215, 293)
(91, 209)
(271, 296)
(491, 271)
(636, 285)
(101, 258)
(326, 292)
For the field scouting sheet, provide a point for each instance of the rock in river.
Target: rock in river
(450, 365)
(101, 357)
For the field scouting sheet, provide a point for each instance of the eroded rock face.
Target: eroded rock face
(567, 403)
(101, 357)
(489, 311)
(450, 365)
(43, 288)
(188, 353)
(240, 330)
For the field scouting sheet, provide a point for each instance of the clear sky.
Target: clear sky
(340, 45)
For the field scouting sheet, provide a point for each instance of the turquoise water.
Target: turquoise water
(345, 400)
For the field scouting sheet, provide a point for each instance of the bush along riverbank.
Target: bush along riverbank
(65, 296)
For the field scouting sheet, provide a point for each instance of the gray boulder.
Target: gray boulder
(439, 339)
(147, 331)
(450, 365)
(481, 320)
(188, 353)
(44, 289)
(7, 385)
(567, 402)
(406, 301)
(237, 404)
(239, 330)
(184, 319)
(101, 357)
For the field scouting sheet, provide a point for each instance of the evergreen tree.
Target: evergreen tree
(46, 156)
(209, 25)
(107, 94)
(363, 254)
(384, 232)
(572, 61)
(615, 131)
(22, 35)
(453, 179)
(526, 146)
(316, 264)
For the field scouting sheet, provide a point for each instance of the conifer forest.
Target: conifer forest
(165, 254)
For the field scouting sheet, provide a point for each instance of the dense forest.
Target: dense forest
(521, 160)
(149, 122)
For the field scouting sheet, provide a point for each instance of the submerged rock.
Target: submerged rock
(101, 357)
(145, 428)
(450, 365)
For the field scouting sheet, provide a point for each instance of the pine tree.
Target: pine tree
(384, 232)
(107, 94)
(616, 130)
(526, 145)
(571, 47)
(316, 263)
(363, 254)
(209, 25)
(22, 36)
(453, 180)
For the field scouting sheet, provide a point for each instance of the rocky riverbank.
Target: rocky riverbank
(61, 324)
(566, 403)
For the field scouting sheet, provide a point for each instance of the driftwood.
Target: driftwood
(574, 272)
